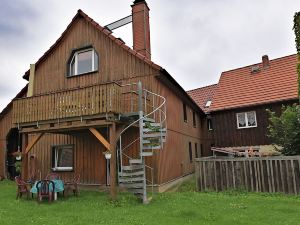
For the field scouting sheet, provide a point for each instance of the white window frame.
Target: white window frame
(65, 168)
(246, 119)
(75, 57)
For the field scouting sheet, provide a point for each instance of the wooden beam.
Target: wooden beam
(113, 162)
(103, 141)
(33, 142)
(63, 127)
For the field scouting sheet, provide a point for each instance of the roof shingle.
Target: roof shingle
(240, 88)
(202, 95)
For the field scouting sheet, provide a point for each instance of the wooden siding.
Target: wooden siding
(115, 63)
(5, 126)
(93, 100)
(270, 174)
(226, 133)
(89, 160)
(173, 161)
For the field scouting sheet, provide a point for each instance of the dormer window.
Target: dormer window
(83, 61)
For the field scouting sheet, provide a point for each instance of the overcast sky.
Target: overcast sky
(193, 40)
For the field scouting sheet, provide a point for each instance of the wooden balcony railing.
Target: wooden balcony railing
(93, 100)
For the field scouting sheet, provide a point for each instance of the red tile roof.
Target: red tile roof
(81, 14)
(240, 87)
(202, 95)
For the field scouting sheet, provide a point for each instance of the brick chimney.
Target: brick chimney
(141, 28)
(265, 61)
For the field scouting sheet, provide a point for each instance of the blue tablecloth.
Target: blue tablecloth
(58, 186)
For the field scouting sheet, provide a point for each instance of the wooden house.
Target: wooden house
(91, 94)
(238, 107)
(203, 97)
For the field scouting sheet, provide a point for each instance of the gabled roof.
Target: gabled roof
(202, 95)
(19, 95)
(241, 88)
(81, 14)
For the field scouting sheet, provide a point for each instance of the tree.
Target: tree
(297, 40)
(284, 130)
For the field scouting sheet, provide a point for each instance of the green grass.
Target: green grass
(182, 207)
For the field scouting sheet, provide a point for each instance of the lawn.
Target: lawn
(182, 207)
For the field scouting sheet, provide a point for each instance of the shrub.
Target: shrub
(284, 130)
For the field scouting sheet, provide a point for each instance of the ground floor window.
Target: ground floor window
(62, 157)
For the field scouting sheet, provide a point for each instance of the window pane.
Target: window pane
(251, 119)
(241, 119)
(72, 72)
(85, 62)
(65, 157)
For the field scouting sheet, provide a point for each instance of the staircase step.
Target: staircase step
(131, 174)
(133, 185)
(133, 167)
(126, 180)
(154, 135)
(147, 154)
(152, 125)
(148, 120)
(148, 130)
(135, 161)
(152, 147)
(157, 140)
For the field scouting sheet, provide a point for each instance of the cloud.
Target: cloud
(194, 40)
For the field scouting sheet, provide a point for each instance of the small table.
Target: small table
(58, 187)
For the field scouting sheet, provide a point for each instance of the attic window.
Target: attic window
(83, 61)
(208, 103)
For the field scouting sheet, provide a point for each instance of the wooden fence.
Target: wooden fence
(263, 174)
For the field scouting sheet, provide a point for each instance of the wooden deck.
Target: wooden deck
(80, 102)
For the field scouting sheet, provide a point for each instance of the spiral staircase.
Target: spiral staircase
(133, 172)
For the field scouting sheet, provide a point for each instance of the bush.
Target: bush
(284, 130)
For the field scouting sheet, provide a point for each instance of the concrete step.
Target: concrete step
(132, 174)
(147, 154)
(135, 161)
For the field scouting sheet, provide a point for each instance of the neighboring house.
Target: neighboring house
(242, 96)
(204, 97)
(84, 92)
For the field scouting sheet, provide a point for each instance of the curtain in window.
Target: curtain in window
(241, 119)
(251, 119)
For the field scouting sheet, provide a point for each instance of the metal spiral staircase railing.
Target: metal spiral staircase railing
(133, 172)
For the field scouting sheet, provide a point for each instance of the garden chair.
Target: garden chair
(21, 187)
(45, 189)
(72, 186)
(52, 176)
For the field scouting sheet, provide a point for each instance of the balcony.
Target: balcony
(88, 102)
